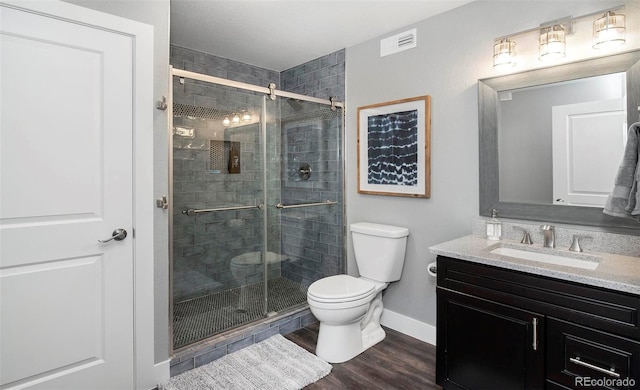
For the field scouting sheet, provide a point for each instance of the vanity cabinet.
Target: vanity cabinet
(504, 329)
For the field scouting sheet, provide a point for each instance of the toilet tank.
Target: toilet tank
(379, 250)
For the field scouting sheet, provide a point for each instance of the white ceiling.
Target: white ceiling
(281, 34)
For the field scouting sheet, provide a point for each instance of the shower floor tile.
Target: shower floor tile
(205, 316)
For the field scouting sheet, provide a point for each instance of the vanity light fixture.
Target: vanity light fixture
(552, 42)
(609, 30)
(504, 53)
(246, 117)
(235, 119)
(226, 122)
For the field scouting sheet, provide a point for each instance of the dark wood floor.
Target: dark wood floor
(397, 362)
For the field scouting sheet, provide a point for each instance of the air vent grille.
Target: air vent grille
(399, 42)
(406, 40)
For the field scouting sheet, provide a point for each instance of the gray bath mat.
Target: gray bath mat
(275, 363)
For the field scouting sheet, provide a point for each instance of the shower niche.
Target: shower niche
(224, 157)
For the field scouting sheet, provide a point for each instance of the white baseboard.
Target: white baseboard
(409, 326)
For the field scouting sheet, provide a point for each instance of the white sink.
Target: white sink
(546, 258)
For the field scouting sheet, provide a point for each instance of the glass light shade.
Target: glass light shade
(246, 117)
(552, 43)
(235, 119)
(226, 121)
(609, 30)
(504, 53)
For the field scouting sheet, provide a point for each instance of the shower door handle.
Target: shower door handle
(117, 235)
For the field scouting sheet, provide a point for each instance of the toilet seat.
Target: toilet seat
(340, 288)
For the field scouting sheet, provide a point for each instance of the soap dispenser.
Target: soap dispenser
(494, 226)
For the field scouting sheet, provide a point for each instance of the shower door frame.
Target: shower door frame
(269, 92)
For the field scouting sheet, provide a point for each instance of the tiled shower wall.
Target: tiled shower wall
(322, 78)
(310, 238)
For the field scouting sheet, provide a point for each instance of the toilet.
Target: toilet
(349, 308)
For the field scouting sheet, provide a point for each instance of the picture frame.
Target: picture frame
(394, 148)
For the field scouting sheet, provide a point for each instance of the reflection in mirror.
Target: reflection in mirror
(517, 163)
(575, 132)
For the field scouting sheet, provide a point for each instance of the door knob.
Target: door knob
(118, 235)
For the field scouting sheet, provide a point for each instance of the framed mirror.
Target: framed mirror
(499, 175)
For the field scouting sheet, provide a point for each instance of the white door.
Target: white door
(588, 144)
(66, 309)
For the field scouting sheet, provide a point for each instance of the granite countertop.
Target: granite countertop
(615, 272)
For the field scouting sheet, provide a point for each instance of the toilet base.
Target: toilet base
(337, 344)
(372, 335)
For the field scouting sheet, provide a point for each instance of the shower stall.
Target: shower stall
(257, 203)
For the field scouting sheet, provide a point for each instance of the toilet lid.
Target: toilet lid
(340, 288)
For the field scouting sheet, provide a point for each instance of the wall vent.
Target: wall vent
(399, 42)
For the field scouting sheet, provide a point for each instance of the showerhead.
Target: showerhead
(295, 104)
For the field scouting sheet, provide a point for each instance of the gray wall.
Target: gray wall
(454, 51)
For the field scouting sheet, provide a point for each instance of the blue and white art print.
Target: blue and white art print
(393, 148)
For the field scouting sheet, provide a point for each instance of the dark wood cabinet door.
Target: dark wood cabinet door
(486, 345)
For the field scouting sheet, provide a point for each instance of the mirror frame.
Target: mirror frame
(488, 90)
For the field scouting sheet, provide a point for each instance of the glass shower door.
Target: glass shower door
(218, 220)
(310, 207)
(257, 205)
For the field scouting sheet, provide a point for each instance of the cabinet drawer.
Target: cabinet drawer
(579, 357)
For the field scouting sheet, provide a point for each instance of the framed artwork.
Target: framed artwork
(394, 148)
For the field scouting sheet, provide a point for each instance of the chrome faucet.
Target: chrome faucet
(549, 236)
